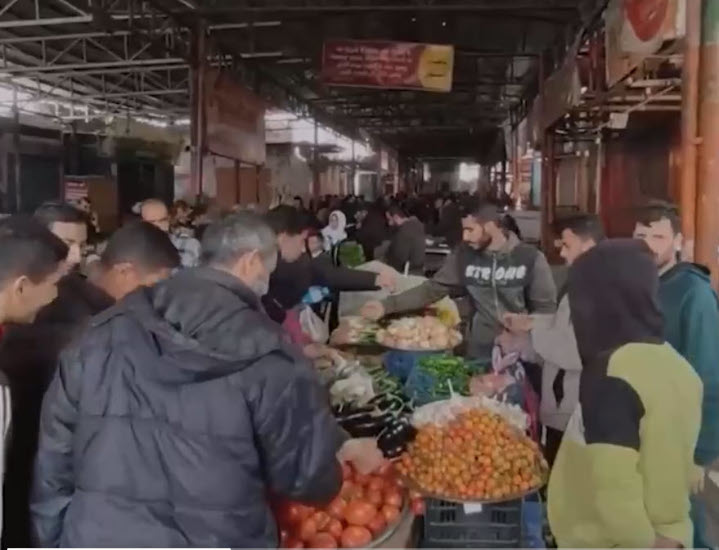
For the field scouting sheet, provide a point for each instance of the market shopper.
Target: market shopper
(296, 271)
(32, 260)
(549, 339)
(624, 470)
(137, 254)
(407, 245)
(691, 313)
(155, 211)
(335, 232)
(182, 410)
(499, 273)
(70, 225)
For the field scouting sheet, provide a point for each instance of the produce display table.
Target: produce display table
(405, 536)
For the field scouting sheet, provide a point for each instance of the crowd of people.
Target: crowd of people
(160, 393)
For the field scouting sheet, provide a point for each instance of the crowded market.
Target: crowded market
(359, 273)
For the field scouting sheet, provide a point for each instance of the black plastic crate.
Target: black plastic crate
(446, 525)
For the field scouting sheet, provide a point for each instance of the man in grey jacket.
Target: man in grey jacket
(549, 339)
(494, 268)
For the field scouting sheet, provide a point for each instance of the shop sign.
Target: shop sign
(75, 190)
(385, 64)
(636, 29)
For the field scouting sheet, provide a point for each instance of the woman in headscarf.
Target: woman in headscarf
(335, 232)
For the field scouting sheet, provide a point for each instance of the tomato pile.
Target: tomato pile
(477, 456)
(365, 507)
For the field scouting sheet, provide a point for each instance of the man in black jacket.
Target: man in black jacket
(407, 247)
(181, 410)
(32, 260)
(137, 254)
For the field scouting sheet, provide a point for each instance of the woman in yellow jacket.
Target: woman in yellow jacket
(623, 474)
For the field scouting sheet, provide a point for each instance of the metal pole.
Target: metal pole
(354, 171)
(197, 119)
(690, 96)
(707, 220)
(315, 165)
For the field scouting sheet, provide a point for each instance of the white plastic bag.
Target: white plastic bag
(314, 327)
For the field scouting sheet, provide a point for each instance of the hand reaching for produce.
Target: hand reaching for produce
(518, 322)
(514, 342)
(363, 454)
(386, 279)
(373, 310)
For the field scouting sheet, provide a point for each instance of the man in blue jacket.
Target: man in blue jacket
(691, 325)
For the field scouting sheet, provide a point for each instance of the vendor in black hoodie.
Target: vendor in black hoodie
(407, 246)
(138, 254)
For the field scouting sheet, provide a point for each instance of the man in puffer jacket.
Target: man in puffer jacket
(182, 411)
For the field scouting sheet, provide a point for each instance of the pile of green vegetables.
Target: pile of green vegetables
(436, 376)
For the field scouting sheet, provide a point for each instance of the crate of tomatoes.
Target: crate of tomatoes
(365, 513)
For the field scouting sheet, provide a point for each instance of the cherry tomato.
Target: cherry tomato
(308, 529)
(335, 528)
(322, 540)
(356, 537)
(360, 512)
(390, 513)
(417, 506)
(393, 497)
(336, 508)
(377, 525)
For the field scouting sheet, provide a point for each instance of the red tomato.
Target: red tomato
(417, 506)
(356, 537)
(293, 514)
(322, 540)
(322, 519)
(361, 479)
(351, 490)
(347, 471)
(392, 497)
(390, 513)
(360, 512)
(308, 529)
(336, 508)
(375, 497)
(335, 528)
(377, 525)
(376, 483)
(293, 543)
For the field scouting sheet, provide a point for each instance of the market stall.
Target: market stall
(463, 462)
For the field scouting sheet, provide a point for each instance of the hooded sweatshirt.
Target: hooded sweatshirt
(513, 279)
(174, 418)
(691, 313)
(625, 466)
(407, 247)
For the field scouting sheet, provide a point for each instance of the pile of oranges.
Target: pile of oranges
(477, 456)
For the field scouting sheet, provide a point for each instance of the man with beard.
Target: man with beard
(155, 211)
(499, 273)
(183, 410)
(691, 313)
(31, 262)
(407, 245)
(137, 254)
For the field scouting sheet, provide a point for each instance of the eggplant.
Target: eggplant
(396, 436)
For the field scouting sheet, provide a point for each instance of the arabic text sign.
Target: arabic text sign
(384, 64)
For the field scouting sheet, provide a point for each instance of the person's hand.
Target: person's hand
(316, 351)
(518, 322)
(386, 279)
(363, 454)
(698, 479)
(373, 310)
(664, 542)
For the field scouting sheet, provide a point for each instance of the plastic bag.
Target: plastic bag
(313, 327)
